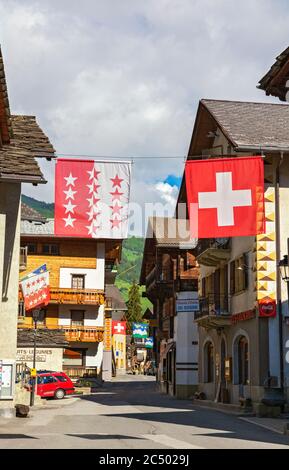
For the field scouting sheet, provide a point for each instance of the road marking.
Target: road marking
(170, 441)
(264, 425)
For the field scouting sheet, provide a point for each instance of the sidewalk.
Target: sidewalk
(277, 425)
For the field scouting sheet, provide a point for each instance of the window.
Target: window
(61, 378)
(48, 379)
(31, 248)
(239, 275)
(77, 281)
(77, 317)
(50, 249)
(243, 361)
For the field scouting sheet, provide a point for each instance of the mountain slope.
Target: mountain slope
(44, 208)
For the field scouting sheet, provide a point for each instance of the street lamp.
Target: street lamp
(284, 269)
(36, 315)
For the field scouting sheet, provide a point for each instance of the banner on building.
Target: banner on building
(149, 342)
(118, 327)
(92, 198)
(35, 288)
(139, 330)
(226, 197)
(107, 341)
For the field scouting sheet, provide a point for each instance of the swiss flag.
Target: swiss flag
(226, 197)
(118, 327)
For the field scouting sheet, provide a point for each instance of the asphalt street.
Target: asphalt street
(130, 413)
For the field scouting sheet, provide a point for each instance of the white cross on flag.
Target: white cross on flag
(35, 289)
(226, 197)
(92, 198)
(118, 327)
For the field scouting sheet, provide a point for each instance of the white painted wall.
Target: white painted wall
(186, 332)
(94, 354)
(94, 278)
(93, 316)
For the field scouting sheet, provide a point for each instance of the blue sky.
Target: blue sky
(174, 180)
(124, 78)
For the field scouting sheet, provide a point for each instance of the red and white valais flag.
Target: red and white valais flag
(92, 198)
(226, 197)
(35, 290)
(118, 327)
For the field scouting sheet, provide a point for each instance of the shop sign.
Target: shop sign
(149, 343)
(244, 316)
(26, 355)
(187, 305)
(267, 309)
(139, 330)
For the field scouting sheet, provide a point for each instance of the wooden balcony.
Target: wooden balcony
(83, 334)
(76, 296)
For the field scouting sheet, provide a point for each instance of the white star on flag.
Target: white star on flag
(92, 228)
(69, 221)
(69, 207)
(70, 194)
(70, 180)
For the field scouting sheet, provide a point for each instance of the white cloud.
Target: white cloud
(124, 78)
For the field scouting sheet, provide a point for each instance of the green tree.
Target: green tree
(134, 308)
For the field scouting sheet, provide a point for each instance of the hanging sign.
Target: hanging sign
(140, 330)
(149, 343)
(267, 309)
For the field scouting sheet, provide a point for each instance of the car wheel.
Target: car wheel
(59, 394)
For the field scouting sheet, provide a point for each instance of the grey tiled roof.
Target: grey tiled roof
(44, 338)
(114, 294)
(252, 124)
(37, 228)
(30, 214)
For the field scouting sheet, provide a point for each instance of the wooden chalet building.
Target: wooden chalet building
(170, 274)
(78, 269)
(21, 141)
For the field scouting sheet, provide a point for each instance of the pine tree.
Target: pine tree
(134, 309)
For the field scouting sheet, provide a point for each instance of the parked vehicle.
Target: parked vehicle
(54, 384)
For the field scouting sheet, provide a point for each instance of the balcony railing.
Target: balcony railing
(23, 258)
(76, 296)
(84, 334)
(213, 305)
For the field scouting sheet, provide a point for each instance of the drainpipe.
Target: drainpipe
(278, 258)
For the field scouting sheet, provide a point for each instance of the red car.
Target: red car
(54, 384)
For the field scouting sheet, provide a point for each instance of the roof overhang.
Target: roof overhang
(11, 178)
